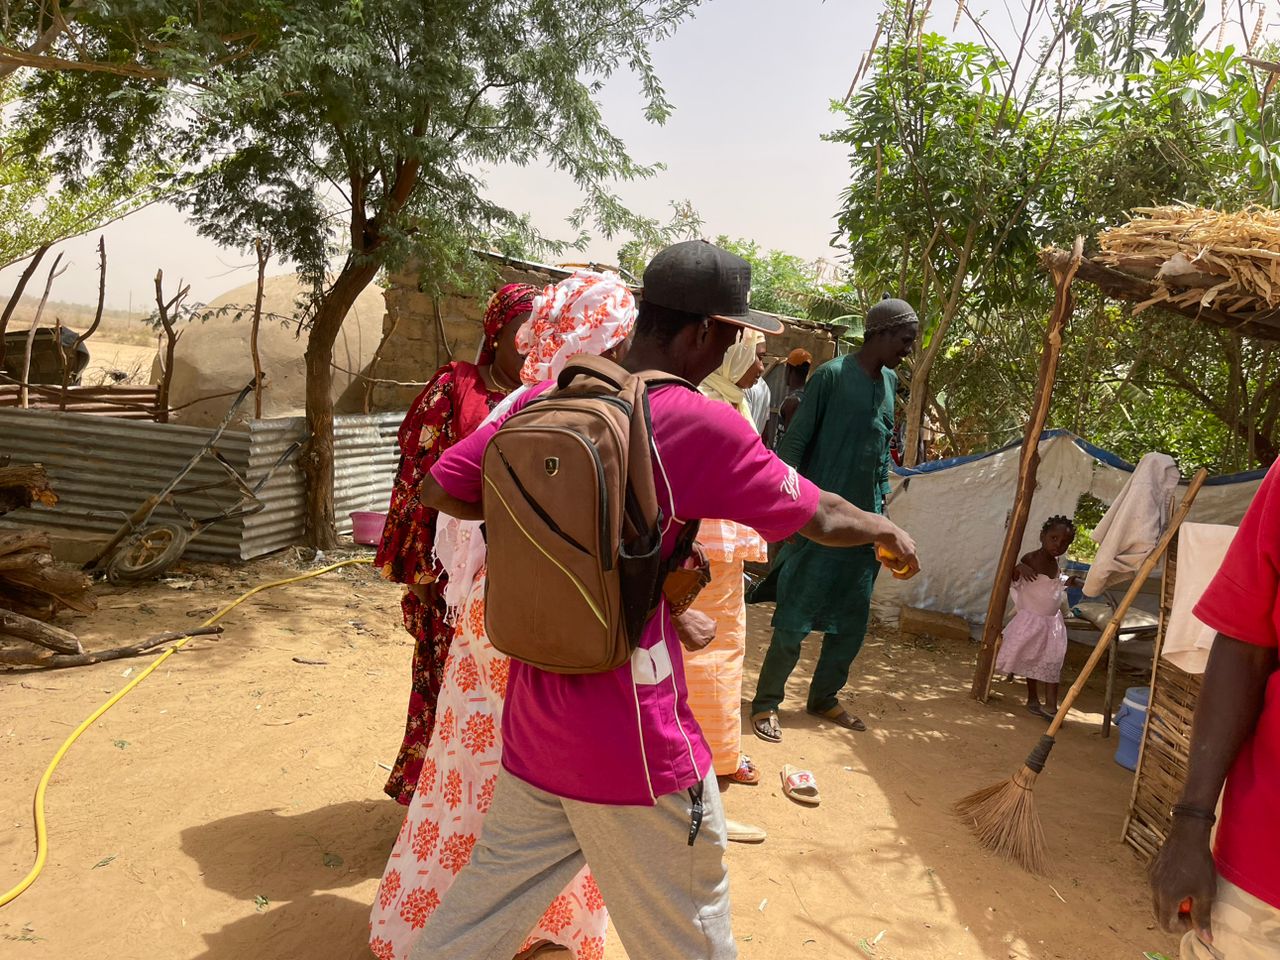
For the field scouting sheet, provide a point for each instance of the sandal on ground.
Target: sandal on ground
(800, 786)
(744, 832)
(747, 773)
(840, 717)
(765, 726)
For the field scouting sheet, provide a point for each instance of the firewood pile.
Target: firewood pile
(34, 589)
(1198, 259)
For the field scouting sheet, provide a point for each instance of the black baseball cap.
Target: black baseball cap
(698, 277)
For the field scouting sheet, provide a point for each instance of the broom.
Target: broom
(1003, 816)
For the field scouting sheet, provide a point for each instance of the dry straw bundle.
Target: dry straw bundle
(1198, 258)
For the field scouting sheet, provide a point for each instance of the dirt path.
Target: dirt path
(230, 808)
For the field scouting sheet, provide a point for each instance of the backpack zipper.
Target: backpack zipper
(537, 508)
(599, 615)
(606, 555)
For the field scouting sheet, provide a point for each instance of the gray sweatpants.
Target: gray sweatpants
(668, 900)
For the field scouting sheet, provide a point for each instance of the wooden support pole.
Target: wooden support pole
(1064, 272)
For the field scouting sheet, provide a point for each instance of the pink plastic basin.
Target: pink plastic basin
(367, 527)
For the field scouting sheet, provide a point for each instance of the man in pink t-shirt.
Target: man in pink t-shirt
(611, 768)
(1235, 890)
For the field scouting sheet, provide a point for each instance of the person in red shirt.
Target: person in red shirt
(1234, 890)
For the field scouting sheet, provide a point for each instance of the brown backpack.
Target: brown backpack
(572, 522)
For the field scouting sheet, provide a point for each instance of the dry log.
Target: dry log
(24, 561)
(39, 608)
(58, 661)
(33, 631)
(32, 584)
(42, 585)
(22, 485)
(22, 540)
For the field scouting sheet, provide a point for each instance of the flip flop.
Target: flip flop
(744, 832)
(840, 717)
(747, 773)
(765, 726)
(800, 786)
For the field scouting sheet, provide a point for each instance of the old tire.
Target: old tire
(147, 552)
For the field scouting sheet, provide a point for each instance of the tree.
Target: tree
(953, 157)
(1110, 132)
(37, 211)
(780, 282)
(685, 224)
(351, 132)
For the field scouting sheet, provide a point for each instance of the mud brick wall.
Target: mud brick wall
(428, 332)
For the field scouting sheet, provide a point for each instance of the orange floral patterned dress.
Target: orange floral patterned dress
(454, 792)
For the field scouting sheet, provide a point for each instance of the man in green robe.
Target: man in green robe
(839, 439)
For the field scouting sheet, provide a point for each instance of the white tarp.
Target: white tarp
(957, 511)
(1201, 549)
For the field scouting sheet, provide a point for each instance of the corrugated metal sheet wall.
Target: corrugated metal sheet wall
(102, 468)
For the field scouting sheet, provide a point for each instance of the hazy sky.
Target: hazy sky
(751, 82)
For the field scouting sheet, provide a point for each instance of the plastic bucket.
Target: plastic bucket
(1075, 568)
(1130, 721)
(366, 527)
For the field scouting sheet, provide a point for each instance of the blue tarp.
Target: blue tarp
(1103, 456)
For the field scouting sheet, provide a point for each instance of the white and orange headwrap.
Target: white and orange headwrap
(588, 312)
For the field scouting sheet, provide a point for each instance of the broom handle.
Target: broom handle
(1139, 578)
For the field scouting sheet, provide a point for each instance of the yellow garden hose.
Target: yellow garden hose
(42, 838)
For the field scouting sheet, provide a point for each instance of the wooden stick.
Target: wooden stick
(25, 379)
(33, 631)
(93, 327)
(1117, 619)
(17, 294)
(59, 661)
(263, 253)
(1063, 303)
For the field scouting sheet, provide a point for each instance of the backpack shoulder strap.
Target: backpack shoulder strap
(606, 371)
(656, 378)
(597, 368)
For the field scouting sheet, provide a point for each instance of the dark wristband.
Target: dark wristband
(1197, 813)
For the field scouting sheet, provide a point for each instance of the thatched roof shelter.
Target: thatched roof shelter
(1211, 266)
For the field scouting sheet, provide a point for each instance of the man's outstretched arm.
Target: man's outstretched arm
(838, 523)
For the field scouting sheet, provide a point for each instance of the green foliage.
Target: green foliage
(946, 148)
(353, 131)
(685, 224)
(348, 133)
(780, 282)
(36, 209)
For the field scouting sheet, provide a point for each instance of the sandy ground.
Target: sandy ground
(105, 355)
(231, 807)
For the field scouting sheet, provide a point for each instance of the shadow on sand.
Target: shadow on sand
(292, 861)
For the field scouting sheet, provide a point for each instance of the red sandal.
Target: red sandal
(747, 773)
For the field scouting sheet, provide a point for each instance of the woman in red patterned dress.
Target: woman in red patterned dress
(450, 407)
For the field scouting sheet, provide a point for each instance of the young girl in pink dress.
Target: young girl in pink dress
(1035, 640)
